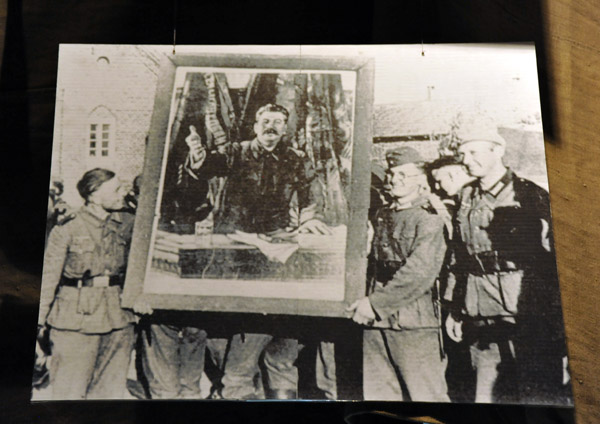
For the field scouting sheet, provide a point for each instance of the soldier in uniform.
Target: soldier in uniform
(506, 301)
(402, 346)
(84, 267)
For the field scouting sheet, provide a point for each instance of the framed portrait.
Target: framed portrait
(255, 190)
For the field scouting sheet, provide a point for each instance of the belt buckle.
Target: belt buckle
(101, 281)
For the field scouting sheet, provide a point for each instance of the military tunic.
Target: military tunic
(92, 336)
(260, 186)
(507, 291)
(488, 294)
(408, 251)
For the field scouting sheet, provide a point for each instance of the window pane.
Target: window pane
(92, 144)
(104, 152)
(105, 127)
(105, 136)
(105, 144)
(93, 127)
(93, 136)
(92, 152)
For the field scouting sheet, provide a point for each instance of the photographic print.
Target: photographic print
(300, 222)
(255, 193)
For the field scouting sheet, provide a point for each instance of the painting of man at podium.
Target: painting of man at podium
(255, 196)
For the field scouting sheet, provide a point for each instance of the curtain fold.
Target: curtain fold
(319, 127)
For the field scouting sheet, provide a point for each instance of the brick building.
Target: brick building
(106, 94)
(103, 109)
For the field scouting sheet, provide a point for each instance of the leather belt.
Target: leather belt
(490, 262)
(99, 281)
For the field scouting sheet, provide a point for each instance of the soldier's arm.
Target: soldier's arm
(54, 260)
(418, 274)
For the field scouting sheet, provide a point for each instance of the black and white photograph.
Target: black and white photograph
(300, 222)
(255, 194)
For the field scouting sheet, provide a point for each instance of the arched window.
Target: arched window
(101, 133)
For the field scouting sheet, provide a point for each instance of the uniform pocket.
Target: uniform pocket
(510, 289)
(80, 256)
(418, 314)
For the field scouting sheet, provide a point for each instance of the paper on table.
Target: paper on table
(275, 252)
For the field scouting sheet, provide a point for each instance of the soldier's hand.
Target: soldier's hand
(142, 307)
(454, 329)
(363, 312)
(314, 226)
(43, 339)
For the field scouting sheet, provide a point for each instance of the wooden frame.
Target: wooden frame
(356, 239)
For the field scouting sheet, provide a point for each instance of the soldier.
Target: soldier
(506, 302)
(172, 356)
(84, 267)
(402, 347)
(447, 176)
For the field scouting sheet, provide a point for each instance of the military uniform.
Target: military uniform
(259, 188)
(92, 336)
(407, 255)
(173, 360)
(506, 291)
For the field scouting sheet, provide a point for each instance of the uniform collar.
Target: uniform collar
(258, 151)
(92, 218)
(419, 201)
(499, 185)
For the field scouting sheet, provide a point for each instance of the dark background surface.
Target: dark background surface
(567, 37)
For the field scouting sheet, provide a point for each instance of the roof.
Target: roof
(412, 118)
(409, 120)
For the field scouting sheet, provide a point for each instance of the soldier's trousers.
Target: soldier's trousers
(325, 370)
(242, 365)
(173, 361)
(90, 366)
(495, 367)
(403, 365)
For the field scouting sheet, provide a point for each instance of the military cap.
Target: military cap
(402, 156)
(469, 133)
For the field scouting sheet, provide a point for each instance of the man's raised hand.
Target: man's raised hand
(197, 150)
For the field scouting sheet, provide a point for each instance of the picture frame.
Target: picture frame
(175, 292)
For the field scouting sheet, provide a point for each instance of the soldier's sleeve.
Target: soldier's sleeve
(417, 276)
(545, 268)
(54, 260)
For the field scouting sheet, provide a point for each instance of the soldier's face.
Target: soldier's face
(480, 157)
(109, 195)
(403, 180)
(269, 128)
(450, 178)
